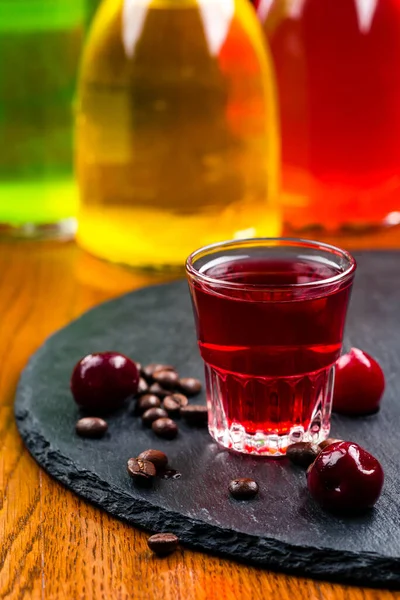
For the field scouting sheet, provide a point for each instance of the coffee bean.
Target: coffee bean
(156, 389)
(173, 403)
(158, 458)
(243, 488)
(163, 543)
(152, 415)
(143, 387)
(190, 386)
(168, 380)
(141, 470)
(149, 370)
(165, 428)
(328, 442)
(91, 427)
(147, 401)
(139, 367)
(195, 414)
(302, 453)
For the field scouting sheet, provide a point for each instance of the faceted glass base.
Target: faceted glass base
(283, 410)
(237, 439)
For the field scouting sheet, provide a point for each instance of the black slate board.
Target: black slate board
(282, 528)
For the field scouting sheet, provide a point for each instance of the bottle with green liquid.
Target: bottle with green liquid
(40, 44)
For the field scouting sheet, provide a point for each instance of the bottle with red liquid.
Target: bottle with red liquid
(338, 81)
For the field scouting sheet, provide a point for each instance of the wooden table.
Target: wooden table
(53, 545)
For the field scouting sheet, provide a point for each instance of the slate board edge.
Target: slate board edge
(361, 569)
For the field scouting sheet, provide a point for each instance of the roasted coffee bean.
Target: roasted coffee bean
(302, 453)
(152, 415)
(195, 414)
(141, 470)
(147, 401)
(143, 387)
(158, 458)
(156, 389)
(173, 403)
(163, 543)
(91, 427)
(243, 488)
(139, 367)
(328, 442)
(165, 428)
(168, 380)
(149, 370)
(190, 386)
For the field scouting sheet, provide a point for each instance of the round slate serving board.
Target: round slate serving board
(282, 528)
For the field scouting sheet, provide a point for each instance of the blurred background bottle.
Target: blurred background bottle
(176, 132)
(40, 44)
(91, 8)
(337, 67)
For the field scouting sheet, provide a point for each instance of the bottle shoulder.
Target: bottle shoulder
(138, 34)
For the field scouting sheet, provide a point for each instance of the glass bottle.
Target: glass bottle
(91, 7)
(176, 133)
(40, 44)
(339, 93)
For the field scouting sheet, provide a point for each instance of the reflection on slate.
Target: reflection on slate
(282, 528)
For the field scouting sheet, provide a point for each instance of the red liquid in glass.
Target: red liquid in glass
(269, 353)
(338, 83)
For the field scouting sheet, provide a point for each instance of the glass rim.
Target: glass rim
(273, 242)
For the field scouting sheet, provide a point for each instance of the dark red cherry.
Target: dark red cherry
(345, 477)
(359, 384)
(102, 381)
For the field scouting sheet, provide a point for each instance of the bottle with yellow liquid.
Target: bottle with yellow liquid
(176, 130)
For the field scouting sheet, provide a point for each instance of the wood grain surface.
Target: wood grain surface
(54, 545)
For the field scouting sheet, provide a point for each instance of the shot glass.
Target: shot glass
(270, 315)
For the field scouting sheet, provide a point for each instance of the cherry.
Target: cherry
(359, 384)
(102, 381)
(345, 477)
